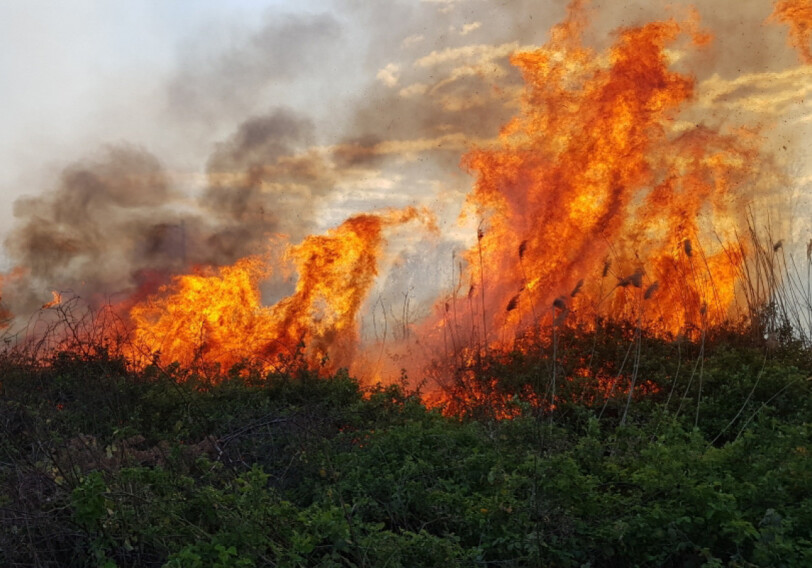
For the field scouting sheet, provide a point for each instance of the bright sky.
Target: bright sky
(80, 73)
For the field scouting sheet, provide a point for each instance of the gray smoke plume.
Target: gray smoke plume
(107, 218)
(114, 220)
(225, 77)
(287, 140)
(263, 180)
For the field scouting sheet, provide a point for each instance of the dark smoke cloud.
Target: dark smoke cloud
(262, 139)
(115, 223)
(265, 179)
(107, 217)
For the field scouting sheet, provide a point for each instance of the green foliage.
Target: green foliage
(104, 466)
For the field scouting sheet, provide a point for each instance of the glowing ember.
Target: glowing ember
(797, 14)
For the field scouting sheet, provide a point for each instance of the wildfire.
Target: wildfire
(592, 195)
(218, 316)
(600, 200)
(797, 14)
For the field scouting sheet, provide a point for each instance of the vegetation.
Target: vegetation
(106, 466)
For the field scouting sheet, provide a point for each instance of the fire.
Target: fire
(471, 396)
(797, 14)
(601, 200)
(592, 194)
(215, 316)
(218, 317)
(55, 300)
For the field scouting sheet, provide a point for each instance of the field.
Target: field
(708, 465)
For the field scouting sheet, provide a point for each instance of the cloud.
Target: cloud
(768, 93)
(468, 28)
(389, 75)
(412, 40)
(479, 53)
(446, 6)
(415, 89)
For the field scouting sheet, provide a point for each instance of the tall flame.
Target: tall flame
(600, 198)
(218, 316)
(593, 196)
(797, 14)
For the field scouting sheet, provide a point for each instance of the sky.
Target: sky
(75, 75)
(360, 104)
(179, 80)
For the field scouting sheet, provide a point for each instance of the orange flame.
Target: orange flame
(214, 315)
(595, 169)
(218, 316)
(57, 299)
(797, 14)
(594, 201)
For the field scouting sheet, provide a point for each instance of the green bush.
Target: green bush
(106, 466)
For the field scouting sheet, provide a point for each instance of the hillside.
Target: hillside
(707, 463)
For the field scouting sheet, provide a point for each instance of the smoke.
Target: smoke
(263, 180)
(441, 71)
(299, 121)
(108, 217)
(115, 217)
(226, 74)
(442, 67)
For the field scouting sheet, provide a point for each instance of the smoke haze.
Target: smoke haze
(269, 129)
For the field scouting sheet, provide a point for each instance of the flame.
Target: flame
(592, 192)
(217, 316)
(596, 201)
(57, 299)
(797, 14)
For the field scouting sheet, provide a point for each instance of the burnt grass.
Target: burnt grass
(706, 462)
